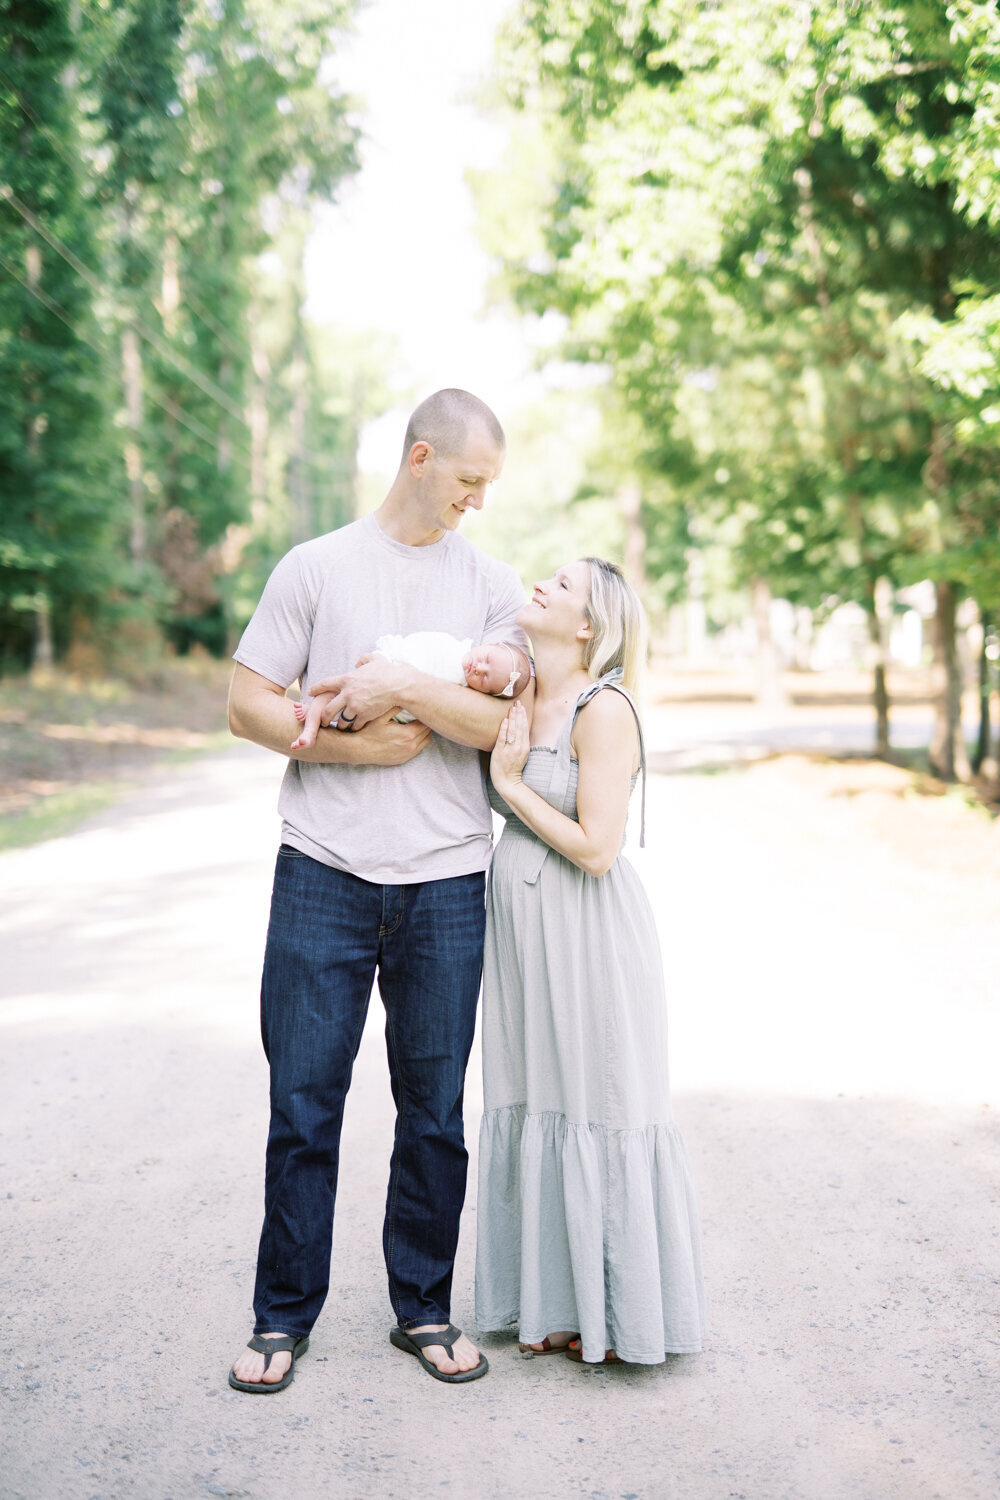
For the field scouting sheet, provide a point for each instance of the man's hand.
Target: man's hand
(383, 742)
(259, 711)
(370, 692)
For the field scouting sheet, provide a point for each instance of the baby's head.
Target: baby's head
(497, 668)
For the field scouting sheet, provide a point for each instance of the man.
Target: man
(385, 840)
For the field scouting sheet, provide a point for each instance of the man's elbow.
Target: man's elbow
(478, 733)
(237, 725)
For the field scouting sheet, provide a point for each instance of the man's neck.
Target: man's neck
(395, 518)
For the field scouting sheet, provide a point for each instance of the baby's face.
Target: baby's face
(488, 668)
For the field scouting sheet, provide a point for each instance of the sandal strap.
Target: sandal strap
(269, 1347)
(446, 1337)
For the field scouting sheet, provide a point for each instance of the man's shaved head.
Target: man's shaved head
(445, 420)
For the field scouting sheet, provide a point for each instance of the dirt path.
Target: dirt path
(835, 1042)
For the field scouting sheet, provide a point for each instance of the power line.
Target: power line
(206, 386)
(322, 463)
(190, 300)
(175, 412)
(198, 429)
(114, 55)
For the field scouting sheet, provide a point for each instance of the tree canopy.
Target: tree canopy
(162, 393)
(776, 227)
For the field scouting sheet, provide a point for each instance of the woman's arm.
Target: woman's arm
(606, 747)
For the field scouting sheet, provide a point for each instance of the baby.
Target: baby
(495, 668)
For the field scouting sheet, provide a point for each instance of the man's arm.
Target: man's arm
(260, 712)
(458, 713)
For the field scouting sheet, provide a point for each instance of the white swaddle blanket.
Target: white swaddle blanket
(432, 651)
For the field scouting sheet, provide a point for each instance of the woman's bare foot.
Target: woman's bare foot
(466, 1354)
(250, 1365)
(559, 1340)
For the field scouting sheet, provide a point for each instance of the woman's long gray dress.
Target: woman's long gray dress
(587, 1217)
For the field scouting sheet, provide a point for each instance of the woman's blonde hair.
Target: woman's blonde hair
(618, 621)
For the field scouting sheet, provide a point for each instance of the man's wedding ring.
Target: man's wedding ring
(343, 722)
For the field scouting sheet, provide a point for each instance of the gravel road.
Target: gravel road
(835, 1039)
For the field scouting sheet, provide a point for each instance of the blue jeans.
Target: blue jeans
(328, 934)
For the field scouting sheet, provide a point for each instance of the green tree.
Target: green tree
(743, 208)
(59, 519)
(155, 446)
(263, 137)
(137, 57)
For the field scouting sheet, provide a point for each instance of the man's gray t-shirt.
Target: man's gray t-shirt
(325, 604)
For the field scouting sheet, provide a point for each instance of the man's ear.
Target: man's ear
(419, 455)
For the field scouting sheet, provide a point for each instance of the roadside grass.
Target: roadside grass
(54, 815)
(71, 745)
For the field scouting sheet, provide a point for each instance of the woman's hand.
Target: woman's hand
(510, 752)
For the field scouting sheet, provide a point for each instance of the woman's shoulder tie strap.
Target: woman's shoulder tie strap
(615, 679)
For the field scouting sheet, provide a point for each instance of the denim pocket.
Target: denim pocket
(290, 853)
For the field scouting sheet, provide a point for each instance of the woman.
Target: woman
(588, 1234)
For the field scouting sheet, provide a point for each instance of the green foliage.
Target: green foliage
(151, 151)
(57, 521)
(776, 227)
(547, 509)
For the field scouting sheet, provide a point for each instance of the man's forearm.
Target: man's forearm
(268, 719)
(259, 711)
(458, 713)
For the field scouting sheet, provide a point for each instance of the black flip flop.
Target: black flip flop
(416, 1343)
(269, 1347)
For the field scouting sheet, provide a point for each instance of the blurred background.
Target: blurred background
(728, 273)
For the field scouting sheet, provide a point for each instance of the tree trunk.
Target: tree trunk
(224, 447)
(132, 381)
(880, 697)
(42, 654)
(948, 755)
(354, 497)
(982, 760)
(877, 607)
(695, 612)
(770, 693)
(259, 436)
(170, 286)
(630, 500)
(299, 476)
(804, 630)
